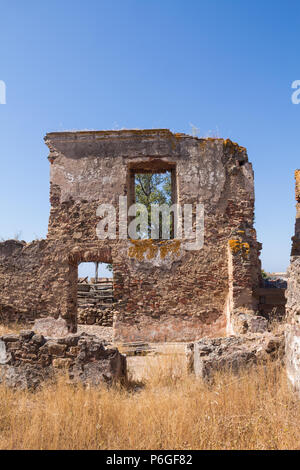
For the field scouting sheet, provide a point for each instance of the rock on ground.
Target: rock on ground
(50, 326)
(233, 353)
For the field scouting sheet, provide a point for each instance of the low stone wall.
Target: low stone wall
(27, 359)
(95, 301)
(96, 316)
(233, 353)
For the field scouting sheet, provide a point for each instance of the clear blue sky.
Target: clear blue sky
(225, 66)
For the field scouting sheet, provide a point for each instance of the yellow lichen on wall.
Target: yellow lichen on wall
(297, 189)
(234, 245)
(246, 249)
(140, 247)
(169, 247)
(237, 246)
(234, 146)
(150, 247)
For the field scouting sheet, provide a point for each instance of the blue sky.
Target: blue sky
(224, 66)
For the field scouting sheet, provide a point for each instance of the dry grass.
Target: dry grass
(172, 411)
(13, 328)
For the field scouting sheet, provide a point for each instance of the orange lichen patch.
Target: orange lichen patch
(246, 249)
(139, 248)
(152, 250)
(234, 146)
(178, 135)
(237, 246)
(204, 141)
(297, 189)
(234, 245)
(150, 247)
(169, 247)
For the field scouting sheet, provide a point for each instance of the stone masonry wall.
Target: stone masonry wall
(163, 291)
(95, 302)
(33, 276)
(39, 279)
(293, 300)
(27, 359)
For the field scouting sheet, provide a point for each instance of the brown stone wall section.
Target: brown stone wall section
(244, 276)
(293, 300)
(293, 292)
(33, 276)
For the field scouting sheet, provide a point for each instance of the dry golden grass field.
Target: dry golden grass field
(169, 410)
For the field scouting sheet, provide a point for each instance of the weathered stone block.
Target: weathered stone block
(235, 353)
(55, 349)
(70, 340)
(11, 338)
(51, 327)
(26, 335)
(38, 340)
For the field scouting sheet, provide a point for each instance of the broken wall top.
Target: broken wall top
(94, 165)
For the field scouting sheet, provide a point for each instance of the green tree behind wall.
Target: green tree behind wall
(153, 188)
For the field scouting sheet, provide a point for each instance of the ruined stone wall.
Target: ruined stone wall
(33, 276)
(293, 300)
(163, 290)
(27, 359)
(243, 277)
(39, 279)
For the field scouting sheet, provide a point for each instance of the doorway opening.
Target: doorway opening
(95, 294)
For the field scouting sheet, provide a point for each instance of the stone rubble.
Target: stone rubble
(233, 353)
(27, 359)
